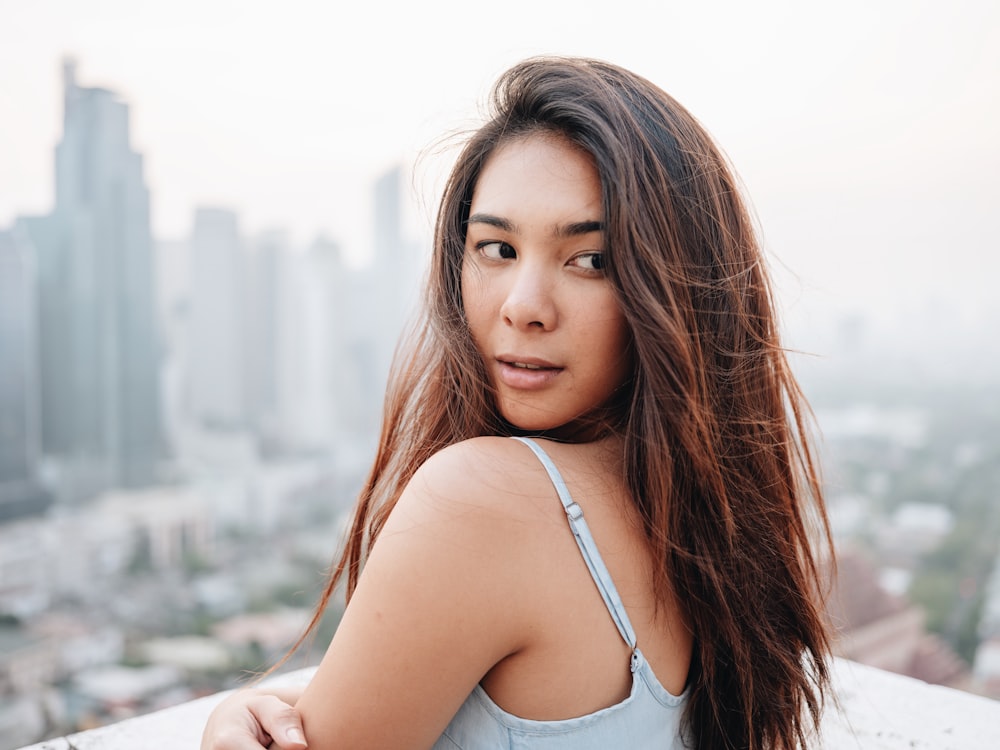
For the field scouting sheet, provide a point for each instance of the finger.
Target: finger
(233, 739)
(280, 721)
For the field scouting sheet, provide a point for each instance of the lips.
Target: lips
(526, 373)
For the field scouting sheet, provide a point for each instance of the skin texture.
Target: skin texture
(251, 719)
(476, 577)
(533, 286)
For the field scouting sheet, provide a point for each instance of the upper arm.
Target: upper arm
(436, 606)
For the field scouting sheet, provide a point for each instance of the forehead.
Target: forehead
(541, 176)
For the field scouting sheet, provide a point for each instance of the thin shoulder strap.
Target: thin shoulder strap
(584, 539)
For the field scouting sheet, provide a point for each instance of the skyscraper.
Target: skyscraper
(20, 493)
(396, 273)
(218, 366)
(98, 350)
(398, 263)
(317, 383)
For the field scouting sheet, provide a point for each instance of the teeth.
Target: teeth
(527, 366)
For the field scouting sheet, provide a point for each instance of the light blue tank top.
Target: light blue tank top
(649, 717)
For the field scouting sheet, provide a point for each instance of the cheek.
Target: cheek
(619, 346)
(473, 299)
(609, 318)
(624, 353)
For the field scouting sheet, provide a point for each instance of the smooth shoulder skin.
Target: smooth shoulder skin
(437, 604)
(477, 577)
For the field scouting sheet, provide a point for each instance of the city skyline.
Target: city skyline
(270, 354)
(121, 353)
(865, 139)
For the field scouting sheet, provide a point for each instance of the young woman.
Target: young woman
(640, 571)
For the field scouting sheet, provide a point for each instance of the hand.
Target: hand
(253, 720)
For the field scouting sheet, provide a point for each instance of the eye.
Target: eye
(590, 261)
(495, 250)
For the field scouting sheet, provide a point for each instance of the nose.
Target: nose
(529, 302)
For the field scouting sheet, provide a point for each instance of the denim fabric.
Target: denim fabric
(648, 718)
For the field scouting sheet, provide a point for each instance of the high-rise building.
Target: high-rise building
(337, 375)
(173, 292)
(98, 344)
(389, 286)
(218, 367)
(318, 383)
(266, 353)
(20, 492)
(398, 263)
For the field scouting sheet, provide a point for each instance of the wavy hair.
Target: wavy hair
(717, 457)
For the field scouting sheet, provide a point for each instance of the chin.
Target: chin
(531, 420)
(530, 424)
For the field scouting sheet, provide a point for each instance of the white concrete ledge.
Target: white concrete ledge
(879, 711)
(885, 711)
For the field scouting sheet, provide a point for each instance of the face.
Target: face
(541, 310)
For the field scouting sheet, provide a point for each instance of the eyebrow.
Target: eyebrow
(493, 221)
(566, 230)
(580, 227)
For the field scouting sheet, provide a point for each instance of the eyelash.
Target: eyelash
(481, 247)
(597, 261)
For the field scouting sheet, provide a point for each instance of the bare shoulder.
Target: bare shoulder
(480, 459)
(440, 601)
(483, 480)
(489, 501)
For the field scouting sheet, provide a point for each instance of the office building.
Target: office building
(20, 491)
(98, 342)
(218, 366)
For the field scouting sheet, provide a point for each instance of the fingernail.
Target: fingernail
(294, 735)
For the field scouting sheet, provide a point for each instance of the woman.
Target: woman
(597, 284)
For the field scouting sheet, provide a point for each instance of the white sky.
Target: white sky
(866, 131)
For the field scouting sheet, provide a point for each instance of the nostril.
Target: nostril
(528, 311)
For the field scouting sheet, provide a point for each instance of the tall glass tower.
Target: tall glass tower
(98, 343)
(20, 493)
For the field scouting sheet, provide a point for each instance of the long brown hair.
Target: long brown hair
(717, 458)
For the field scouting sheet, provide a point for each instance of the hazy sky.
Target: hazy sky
(866, 132)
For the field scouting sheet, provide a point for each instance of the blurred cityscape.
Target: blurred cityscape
(184, 424)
